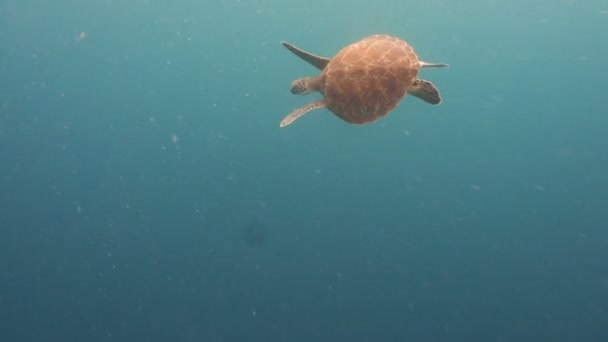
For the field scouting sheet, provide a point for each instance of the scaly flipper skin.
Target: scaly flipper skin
(316, 61)
(301, 111)
(426, 91)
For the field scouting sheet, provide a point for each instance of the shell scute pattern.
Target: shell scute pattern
(366, 80)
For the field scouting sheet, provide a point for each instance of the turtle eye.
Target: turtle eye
(297, 88)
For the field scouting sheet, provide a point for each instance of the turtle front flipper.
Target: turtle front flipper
(425, 91)
(316, 61)
(301, 111)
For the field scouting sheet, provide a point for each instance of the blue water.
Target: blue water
(147, 192)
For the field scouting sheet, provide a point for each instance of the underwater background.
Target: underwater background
(147, 192)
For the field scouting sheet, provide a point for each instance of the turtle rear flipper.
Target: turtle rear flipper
(432, 65)
(425, 91)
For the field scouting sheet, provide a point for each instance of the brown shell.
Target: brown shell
(367, 79)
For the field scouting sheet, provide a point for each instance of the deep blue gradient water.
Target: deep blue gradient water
(147, 192)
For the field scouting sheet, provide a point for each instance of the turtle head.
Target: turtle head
(303, 86)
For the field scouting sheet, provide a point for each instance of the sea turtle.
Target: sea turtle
(365, 80)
